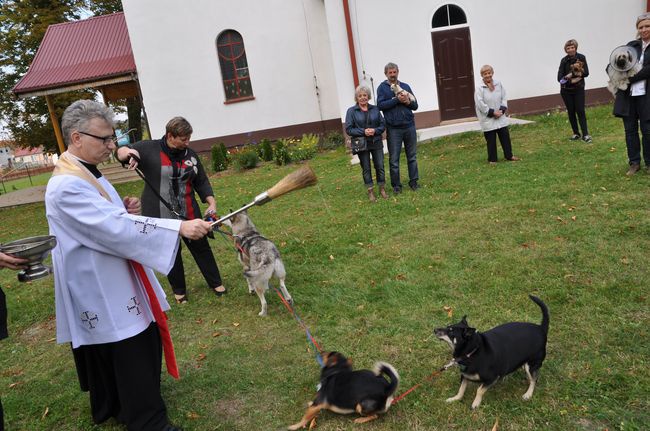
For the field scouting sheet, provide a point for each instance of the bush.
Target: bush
(331, 141)
(281, 152)
(226, 156)
(246, 159)
(265, 150)
(306, 148)
(219, 158)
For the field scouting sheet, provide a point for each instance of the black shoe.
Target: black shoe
(414, 187)
(575, 137)
(397, 190)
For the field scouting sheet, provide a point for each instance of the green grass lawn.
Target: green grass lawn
(23, 183)
(373, 280)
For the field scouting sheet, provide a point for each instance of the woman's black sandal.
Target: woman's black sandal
(181, 299)
(220, 292)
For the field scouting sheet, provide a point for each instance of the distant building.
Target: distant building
(32, 158)
(6, 155)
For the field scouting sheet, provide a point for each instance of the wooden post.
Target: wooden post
(55, 124)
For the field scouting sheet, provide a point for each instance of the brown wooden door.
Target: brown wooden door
(452, 55)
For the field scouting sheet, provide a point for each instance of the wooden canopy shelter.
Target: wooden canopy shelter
(91, 53)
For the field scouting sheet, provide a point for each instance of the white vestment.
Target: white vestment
(99, 297)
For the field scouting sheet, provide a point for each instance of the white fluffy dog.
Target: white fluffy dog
(619, 79)
(397, 90)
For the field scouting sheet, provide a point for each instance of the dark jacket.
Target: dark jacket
(565, 69)
(622, 100)
(397, 114)
(176, 175)
(355, 123)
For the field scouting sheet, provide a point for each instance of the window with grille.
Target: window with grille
(447, 15)
(234, 67)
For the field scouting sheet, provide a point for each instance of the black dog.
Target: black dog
(488, 356)
(345, 391)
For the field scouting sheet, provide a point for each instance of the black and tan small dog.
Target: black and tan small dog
(344, 391)
(488, 356)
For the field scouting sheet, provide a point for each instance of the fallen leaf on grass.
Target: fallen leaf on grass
(13, 385)
(214, 321)
(573, 218)
(449, 310)
(603, 189)
(193, 415)
(625, 260)
(331, 257)
(400, 277)
(47, 410)
(217, 334)
(235, 324)
(200, 357)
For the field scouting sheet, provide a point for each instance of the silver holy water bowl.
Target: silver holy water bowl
(35, 250)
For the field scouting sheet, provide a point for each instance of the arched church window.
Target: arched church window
(234, 67)
(447, 15)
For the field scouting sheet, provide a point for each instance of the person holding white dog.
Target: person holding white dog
(400, 126)
(571, 75)
(633, 105)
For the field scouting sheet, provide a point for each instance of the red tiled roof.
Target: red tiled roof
(80, 51)
(19, 152)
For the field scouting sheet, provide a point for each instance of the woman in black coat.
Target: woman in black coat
(572, 88)
(633, 104)
(6, 261)
(365, 120)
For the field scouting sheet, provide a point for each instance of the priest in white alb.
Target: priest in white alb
(109, 305)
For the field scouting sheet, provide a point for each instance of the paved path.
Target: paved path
(22, 196)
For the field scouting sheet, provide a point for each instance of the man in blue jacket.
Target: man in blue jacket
(398, 107)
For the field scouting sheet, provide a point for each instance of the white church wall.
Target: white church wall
(174, 47)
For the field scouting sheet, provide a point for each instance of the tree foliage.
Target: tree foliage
(22, 26)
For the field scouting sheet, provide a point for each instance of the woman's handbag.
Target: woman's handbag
(360, 143)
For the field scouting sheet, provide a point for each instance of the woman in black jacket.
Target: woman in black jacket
(633, 104)
(365, 120)
(572, 81)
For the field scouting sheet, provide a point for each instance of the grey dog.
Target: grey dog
(259, 257)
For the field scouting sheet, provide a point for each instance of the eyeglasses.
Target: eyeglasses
(107, 140)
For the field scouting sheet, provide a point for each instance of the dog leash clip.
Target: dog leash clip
(449, 365)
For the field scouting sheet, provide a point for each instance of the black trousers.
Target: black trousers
(202, 254)
(575, 107)
(377, 161)
(504, 138)
(3, 334)
(123, 380)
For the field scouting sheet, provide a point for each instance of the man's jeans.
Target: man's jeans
(631, 124)
(395, 137)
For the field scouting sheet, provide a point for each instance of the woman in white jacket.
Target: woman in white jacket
(491, 105)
